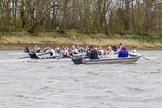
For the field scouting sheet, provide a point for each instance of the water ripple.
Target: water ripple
(61, 84)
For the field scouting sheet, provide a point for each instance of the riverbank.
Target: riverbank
(17, 41)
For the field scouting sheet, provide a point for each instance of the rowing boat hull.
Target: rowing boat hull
(49, 59)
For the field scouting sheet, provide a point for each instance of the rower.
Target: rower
(32, 55)
(73, 51)
(45, 49)
(65, 52)
(81, 49)
(36, 49)
(51, 52)
(57, 50)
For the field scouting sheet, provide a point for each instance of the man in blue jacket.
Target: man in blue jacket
(123, 52)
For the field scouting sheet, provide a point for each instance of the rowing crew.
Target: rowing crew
(71, 50)
(48, 50)
(66, 51)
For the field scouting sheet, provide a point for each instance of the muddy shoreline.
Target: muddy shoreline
(18, 46)
(20, 42)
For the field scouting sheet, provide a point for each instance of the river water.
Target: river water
(61, 84)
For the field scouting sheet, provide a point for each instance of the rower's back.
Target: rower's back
(32, 55)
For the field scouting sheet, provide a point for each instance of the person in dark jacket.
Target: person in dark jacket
(123, 52)
(33, 55)
(26, 50)
(114, 48)
(93, 54)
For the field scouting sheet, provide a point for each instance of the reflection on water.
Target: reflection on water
(61, 84)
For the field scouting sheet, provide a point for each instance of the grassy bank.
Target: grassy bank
(18, 40)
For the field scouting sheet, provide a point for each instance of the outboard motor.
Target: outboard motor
(77, 59)
(33, 55)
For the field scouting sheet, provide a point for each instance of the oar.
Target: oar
(23, 57)
(56, 56)
(138, 54)
(29, 56)
(145, 58)
(43, 54)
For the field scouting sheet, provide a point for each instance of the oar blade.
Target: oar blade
(23, 57)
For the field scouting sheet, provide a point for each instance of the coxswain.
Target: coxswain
(26, 50)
